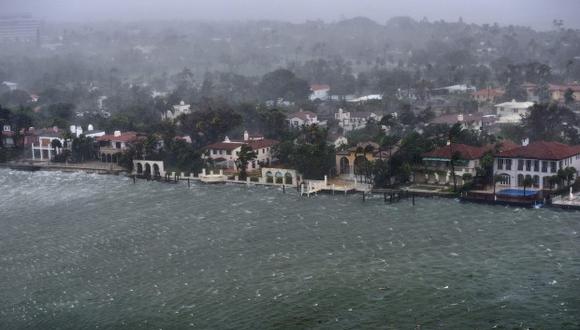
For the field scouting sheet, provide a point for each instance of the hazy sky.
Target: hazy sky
(536, 13)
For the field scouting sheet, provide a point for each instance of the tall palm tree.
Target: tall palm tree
(245, 156)
(453, 135)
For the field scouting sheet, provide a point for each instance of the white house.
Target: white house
(539, 161)
(226, 153)
(303, 118)
(337, 140)
(356, 120)
(91, 132)
(43, 149)
(319, 92)
(178, 110)
(512, 112)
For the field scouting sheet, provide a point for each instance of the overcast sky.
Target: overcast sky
(536, 13)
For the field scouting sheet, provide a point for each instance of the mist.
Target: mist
(538, 14)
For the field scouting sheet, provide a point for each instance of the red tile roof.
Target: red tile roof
(124, 137)
(466, 152)
(542, 150)
(319, 87)
(563, 88)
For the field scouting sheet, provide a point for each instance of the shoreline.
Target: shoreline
(109, 170)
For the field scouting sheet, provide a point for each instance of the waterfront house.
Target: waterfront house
(8, 136)
(437, 163)
(111, 146)
(488, 95)
(225, 154)
(557, 92)
(538, 161)
(350, 121)
(319, 92)
(354, 160)
(303, 118)
(42, 146)
(512, 112)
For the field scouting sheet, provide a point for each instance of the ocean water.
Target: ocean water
(82, 251)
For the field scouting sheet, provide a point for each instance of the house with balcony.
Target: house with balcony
(539, 161)
(225, 154)
(42, 146)
(111, 146)
(178, 110)
(437, 163)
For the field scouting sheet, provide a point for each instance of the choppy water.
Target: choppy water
(82, 251)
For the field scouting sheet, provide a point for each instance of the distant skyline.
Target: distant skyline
(538, 14)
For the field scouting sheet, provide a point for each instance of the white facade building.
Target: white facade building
(512, 112)
(356, 120)
(539, 161)
(178, 110)
(319, 92)
(227, 152)
(303, 118)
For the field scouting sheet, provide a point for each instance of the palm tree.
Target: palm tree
(244, 157)
(454, 133)
(570, 173)
(527, 182)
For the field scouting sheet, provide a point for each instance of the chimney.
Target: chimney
(90, 127)
(73, 129)
(227, 139)
(525, 142)
(460, 117)
(117, 133)
(55, 129)
(246, 136)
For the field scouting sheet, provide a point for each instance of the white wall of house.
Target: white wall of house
(538, 169)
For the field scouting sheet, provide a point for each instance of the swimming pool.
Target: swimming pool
(517, 192)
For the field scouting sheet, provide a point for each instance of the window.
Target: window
(536, 165)
(560, 164)
(118, 145)
(508, 164)
(553, 167)
(500, 164)
(528, 165)
(228, 152)
(520, 164)
(544, 166)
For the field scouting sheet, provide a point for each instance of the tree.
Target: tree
(569, 96)
(454, 133)
(284, 84)
(527, 182)
(244, 157)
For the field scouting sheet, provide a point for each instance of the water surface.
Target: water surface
(90, 251)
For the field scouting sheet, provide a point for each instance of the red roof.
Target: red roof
(542, 150)
(319, 87)
(124, 137)
(466, 152)
(563, 88)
